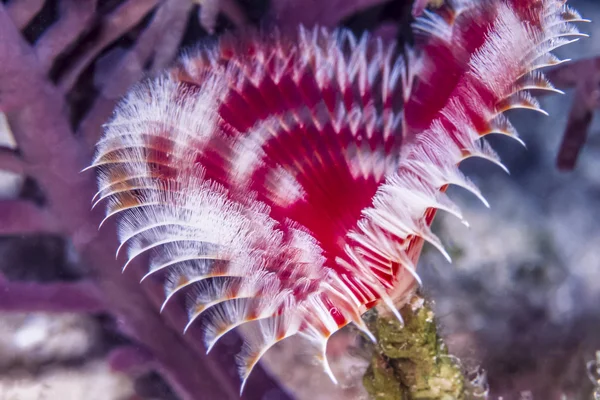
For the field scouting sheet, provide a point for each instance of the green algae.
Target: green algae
(411, 361)
(381, 382)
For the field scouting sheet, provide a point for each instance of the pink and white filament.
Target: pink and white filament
(289, 182)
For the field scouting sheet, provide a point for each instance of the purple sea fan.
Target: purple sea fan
(289, 182)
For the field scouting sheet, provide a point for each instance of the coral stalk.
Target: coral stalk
(411, 361)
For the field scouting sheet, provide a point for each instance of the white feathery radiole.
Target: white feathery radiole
(292, 190)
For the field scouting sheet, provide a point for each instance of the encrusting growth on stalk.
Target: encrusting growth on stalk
(411, 361)
(290, 181)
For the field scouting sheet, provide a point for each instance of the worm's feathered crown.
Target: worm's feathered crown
(291, 180)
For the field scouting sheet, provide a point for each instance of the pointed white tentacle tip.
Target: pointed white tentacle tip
(445, 254)
(465, 223)
(390, 305)
(477, 194)
(418, 279)
(413, 272)
(455, 212)
(520, 141)
(550, 89)
(97, 200)
(164, 304)
(503, 167)
(88, 168)
(243, 385)
(104, 220)
(363, 328)
(209, 346)
(127, 263)
(188, 325)
(568, 42)
(327, 367)
(440, 247)
(551, 64)
(483, 200)
(146, 276)
(527, 107)
(329, 373)
(96, 196)
(120, 248)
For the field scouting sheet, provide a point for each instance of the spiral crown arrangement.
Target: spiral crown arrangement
(289, 182)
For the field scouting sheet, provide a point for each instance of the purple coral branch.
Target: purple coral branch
(53, 297)
(291, 13)
(76, 16)
(119, 76)
(568, 75)
(23, 11)
(167, 44)
(233, 11)
(120, 21)
(20, 217)
(40, 125)
(387, 31)
(131, 360)
(11, 161)
(210, 9)
(585, 101)
(418, 7)
(584, 75)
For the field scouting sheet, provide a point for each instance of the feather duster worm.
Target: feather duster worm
(290, 182)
